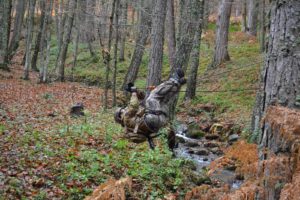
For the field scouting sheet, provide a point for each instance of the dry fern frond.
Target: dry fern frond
(112, 190)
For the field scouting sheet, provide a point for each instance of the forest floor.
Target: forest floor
(47, 154)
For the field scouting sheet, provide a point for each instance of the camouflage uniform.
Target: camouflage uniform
(144, 122)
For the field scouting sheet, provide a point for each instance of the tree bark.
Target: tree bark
(29, 38)
(221, 47)
(189, 19)
(280, 79)
(66, 40)
(45, 41)
(6, 16)
(157, 43)
(171, 33)
(195, 58)
(116, 52)
(123, 24)
(143, 33)
(90, 35)
(262, 26)
(14, 43)
(252, 17)
(38, 37)
(244, 15)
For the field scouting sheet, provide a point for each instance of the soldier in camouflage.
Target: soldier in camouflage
(142, 122)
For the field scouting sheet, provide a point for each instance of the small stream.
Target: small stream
(202, 154)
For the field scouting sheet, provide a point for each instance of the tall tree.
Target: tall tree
(143, 34)
(45, 41)
(280, 79)
(171, 33)
(221, 45)
(244, 15)
(29, 38)
(262, 25)
(116, 52)
(39, 35)
(192, 79)
(157, 42)
(188, 23)
(66, 39)
(14, 42)
(5, 30)
(90, 25)
(124, 16)
(252, 17)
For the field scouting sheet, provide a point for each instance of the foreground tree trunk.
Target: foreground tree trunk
(157, 43)
(143, 33)
(280, 81)
(170, 30)
(192, 79)
(252, 17)
(221, 49)
(29, 38)
(66, 40)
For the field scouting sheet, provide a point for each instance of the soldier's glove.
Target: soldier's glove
(130, 88)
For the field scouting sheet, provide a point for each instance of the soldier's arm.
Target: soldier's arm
(133, 106)
(167, 87)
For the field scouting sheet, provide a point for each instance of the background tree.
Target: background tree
(18, 22)
(157, 43)
(5, 33)
(221, 45)
(252, 17)
(123, 26)
(66, 39)
(195, 57)
(29, 38)
(171, 32)
(140, 42)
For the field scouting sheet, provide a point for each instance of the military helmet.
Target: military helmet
(118, 116)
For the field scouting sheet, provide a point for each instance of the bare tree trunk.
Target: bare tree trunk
(6, 16)
(206, 14)
(45, 41)
(244, 15)
(39, 36)
(171, 33)
(221, 48)
(90, 35)
(143, 33)
(75, 53)
(123, 24)
(14, 43)
(111, 20)
(262, 26)
(280, 80)
(29, 38)
(66, 40)
(195, 58)
(157, 43)
(252, 17)
(116, 53)
(189, 19)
